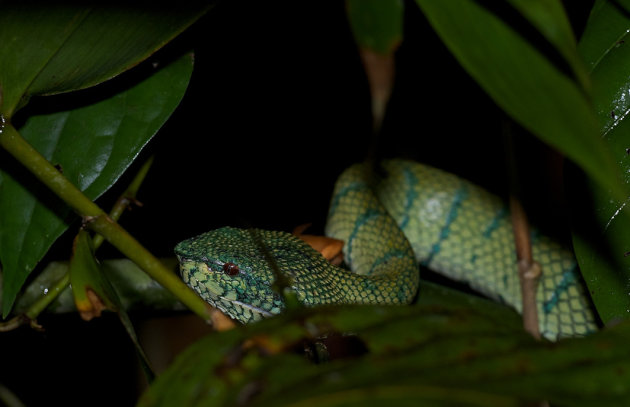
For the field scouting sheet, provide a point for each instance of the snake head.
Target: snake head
(230, 269)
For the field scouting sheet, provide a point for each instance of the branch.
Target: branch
(529, 271)
(380, 71)
(38, 306)
(97, 220)
(126, 198)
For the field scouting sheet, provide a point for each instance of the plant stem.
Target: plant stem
(97, 220)
(529, 271)
(137, 253)
(53, 292)
(8, 398)
(44, 301)
(37, 164)
(126, 198)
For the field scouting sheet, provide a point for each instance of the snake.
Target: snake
(395, 220)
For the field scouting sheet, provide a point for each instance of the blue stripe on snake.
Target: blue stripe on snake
(460, 196)
(413, 214)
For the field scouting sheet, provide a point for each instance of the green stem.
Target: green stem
(126, 198)
(8, 398)
(37, 164)
(44, 301)
(97, 220)
(137, 253)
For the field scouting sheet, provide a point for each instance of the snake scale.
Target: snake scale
(412, 215)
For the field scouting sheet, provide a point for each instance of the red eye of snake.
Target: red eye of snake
(230, 269)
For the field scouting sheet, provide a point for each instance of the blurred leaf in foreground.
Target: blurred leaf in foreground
(436, 351)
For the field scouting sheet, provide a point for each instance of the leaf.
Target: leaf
(603, 47)
(549, 18)
(224, 374)
(94, 293)
(378, 28)
(93, 145)
(136, 290)
(524, 84)
(42, 285)
(602, 246)
(602, 32)
(466, 352)
(376, 24)
(48, 49)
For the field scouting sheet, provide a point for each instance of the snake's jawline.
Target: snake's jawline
(230, 312)
(250, 307)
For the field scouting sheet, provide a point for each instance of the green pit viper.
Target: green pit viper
(414, 215)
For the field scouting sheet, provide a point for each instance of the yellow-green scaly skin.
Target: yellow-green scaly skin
(462, 231)
(412, 214)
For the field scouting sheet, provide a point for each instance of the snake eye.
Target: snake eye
(230, 269)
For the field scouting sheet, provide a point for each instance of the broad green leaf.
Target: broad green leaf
(436, 353)
(93, 145)
(206, 374)
(136, 290)
(523, 83)
(601, 248)
(603, 32)
(52, 48)
(605, 276)
(94, 293)
(549, 18)
(603, 46)
(376, 24)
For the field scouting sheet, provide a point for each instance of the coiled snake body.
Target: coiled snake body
(413, 215)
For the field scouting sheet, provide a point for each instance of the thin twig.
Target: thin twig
(97, 220)
(37, 307)
(8, 398)
(529, 271)
(44, 301)
(13, 323)
(126, 198)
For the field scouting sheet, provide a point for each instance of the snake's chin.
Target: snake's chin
(252, 308)
(236, 310)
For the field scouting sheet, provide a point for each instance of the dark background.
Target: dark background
(277, 107)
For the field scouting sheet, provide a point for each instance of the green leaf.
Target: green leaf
(376, 24)
(603, 46)
(605, 275)
(136, 290)
(93, 145)
(524, 83)
(601, 248)
(94, 293)
(435, 352)
(48, 49)
(549, 18)
(603, 32)
(215, 371)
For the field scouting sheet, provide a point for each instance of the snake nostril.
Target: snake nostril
(230, 269)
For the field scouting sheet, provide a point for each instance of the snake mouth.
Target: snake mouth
(250, 307)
